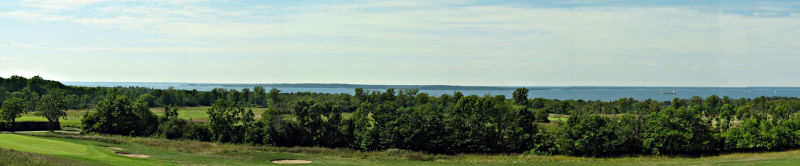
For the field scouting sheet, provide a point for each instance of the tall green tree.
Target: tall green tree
(52, 107)
(170, 111)
(118, 115)
(274, 95)
(259, 96)
(521, 96)
(12, 109)
(677, 131)
(228, 121)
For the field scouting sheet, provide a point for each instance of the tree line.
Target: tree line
(450, 123)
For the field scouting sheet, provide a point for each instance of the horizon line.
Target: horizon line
(307, 83)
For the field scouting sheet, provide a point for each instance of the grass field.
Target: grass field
(93, 150)
(557, 117)
(73, 118)
(198, 114)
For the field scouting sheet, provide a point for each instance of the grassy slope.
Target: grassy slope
(90, 149)
(25, 158)
(81, 151)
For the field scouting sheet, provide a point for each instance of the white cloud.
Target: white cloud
(33, 16)
(58, 5)
(583, 43)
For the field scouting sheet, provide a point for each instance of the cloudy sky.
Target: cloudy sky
(541, 43)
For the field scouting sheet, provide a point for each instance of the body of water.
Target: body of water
(561, 93)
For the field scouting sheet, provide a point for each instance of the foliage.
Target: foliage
(12, 108)
(52, 107)
(229, 121)
(410, 119)
(521, 96)
(118, 115)
(676, 131)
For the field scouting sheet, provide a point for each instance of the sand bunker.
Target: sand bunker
(126, 154)
(291, 162)
(115, 148)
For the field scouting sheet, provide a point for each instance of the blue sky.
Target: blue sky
(459, 42)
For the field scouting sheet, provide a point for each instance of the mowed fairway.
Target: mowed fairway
(80, 152)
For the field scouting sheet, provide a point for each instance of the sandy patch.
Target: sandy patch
(115, 148)
(291, 162)
(126, 154)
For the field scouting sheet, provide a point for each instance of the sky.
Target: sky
(458, 42)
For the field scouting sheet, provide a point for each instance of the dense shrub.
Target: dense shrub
(174, 128)
(678, 131)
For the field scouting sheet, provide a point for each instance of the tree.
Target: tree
(365, 128)
(274, 95)
(674, 131)
(118, 115)
(12, 108)
(31, 99)
(52, 107)
(360, 94)
(259, 96)
(150, 100)
(590, 135)
(36, 84)
(245, 96)
(171, 112)
(521, 96)
(15, 83)
(228, 121)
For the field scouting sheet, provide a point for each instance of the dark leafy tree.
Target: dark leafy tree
(118, 115)
(521, 96)
(12, 108)
(228, 121)
(676, 131)
(53, 107)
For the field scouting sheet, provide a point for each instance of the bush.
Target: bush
(199, 132)
(174, 128)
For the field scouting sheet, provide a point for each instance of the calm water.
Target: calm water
(561, 93)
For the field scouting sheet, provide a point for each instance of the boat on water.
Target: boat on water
(668, 92)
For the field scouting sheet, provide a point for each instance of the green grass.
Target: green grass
(558, 117)
(73, 118)
(198, 114)
(25, 158)
(90, 150)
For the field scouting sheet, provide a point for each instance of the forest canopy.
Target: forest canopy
(414, 120)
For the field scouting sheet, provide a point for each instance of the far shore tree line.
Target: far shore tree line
(409, 119)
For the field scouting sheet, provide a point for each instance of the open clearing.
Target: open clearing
(97, 150)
